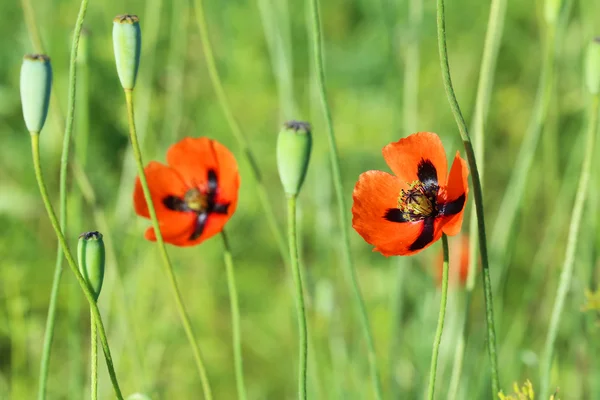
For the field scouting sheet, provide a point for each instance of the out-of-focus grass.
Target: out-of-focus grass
(364, 71)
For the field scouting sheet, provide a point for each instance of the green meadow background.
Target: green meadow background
(384, 82)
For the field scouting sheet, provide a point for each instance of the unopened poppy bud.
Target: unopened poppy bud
(127, 42)
(592, 66)
(293, 152)
(90, 254)
(36, 82)
(551, 10)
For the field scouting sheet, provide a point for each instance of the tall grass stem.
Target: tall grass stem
(300, 307)
(440, 325)
(235, 319)
(478, 194)
(64, 162)
(569, 262)
(339, 190)
(236, 130)
(35, 150)
(187, 326)
(93, 358)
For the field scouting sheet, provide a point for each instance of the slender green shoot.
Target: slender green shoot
(185, 319)
(569, 262)
(93, 358)
(440, 325)
(235, 319)
(478, 194)
(35, 150)
(300, 308)
(64, 161)
(236, 130)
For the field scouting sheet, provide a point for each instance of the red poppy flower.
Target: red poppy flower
(405, 213)
(195, 195)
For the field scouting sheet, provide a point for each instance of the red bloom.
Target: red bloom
(195, 195)
(403, 214)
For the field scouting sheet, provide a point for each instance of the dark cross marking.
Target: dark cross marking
(427, 174)
(395, 215)
(426, 235)
(452, 207)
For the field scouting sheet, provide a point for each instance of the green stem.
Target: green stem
(339, 191)
(35, 150)
(567, 268)
(49, 333)
(94, 357)
(185, 320)
(464, 133)
(300, 308)
(491, 47)
(440, 325)
(247, 153)
(235, 319)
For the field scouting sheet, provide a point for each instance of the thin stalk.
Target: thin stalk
(478, 195)
(236, 130)
(185, 320)
(339, 191)
(94, 357)
(440, 325)
(491, 47)
(64, 161)
(235, 319)
(35, 150)
(300, 308)
(567, 268)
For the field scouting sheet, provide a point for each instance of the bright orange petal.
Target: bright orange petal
(458, 184)
(176, 229)
(163, 181)
(192, 158)
(375, 193)
(404, 156)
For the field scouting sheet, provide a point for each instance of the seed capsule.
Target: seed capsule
(294, 143)
(127, 43)
(90, 254)
(36, 83)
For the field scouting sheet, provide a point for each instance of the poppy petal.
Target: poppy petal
(214, 225)
(176, 229)
(163, 182)
(405, 158)
(458, 187)
(375, 193)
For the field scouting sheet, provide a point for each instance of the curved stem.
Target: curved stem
(235, 319)
(49, 333)
(567, 268)
(464, 134)
(440, 325)
(247, 153)
(35, 150)
(300, 308)
(339, 191)
(94, 357)
(185, 319)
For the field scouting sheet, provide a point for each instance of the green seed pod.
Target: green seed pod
(551, 10)
(127, 42)
(138, 396)
(36, 82)
(592, 66)
(293, 152)
(90, 254)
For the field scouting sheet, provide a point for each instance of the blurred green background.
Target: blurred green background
(264, 56)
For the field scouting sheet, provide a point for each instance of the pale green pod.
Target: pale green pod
(91, 255)
(36, 83)
(552, 10)
(592, 66)
(138, 396)
(294, 143)
(127, 43)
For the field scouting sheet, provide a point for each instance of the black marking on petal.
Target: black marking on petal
(394, 215)
(452, 207)
(427, 174)
(201, 220)
(212, 187)
(426, 235)
(221, 208)
(174, 203)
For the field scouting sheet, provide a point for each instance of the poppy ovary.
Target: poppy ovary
(196, 201)
(418, 202)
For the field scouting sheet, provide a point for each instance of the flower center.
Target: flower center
(195, 200)
(418, 202)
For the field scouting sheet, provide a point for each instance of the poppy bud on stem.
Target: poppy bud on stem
(592, 66)
(294, 143)
(91, 256)
(36, 82)
(127, 42)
